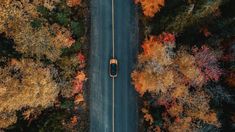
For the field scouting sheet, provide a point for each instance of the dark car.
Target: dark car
(113, 67)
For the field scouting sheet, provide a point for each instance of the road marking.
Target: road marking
(113, 93)
(113, 24)
(113, 108)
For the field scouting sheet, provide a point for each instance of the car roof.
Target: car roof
(113, 60)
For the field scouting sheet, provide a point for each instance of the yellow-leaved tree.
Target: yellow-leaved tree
(24, 84)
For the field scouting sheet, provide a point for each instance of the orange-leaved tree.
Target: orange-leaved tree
(150, 7)
(72, 3)
(176, 80)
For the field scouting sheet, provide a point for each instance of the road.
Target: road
(126, 45)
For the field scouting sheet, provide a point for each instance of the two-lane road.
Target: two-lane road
(126, 40)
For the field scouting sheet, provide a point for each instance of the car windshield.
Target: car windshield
(113, 69)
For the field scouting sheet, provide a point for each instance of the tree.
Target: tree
(72, 3)
(175, 81)
(25, 84)
(206, 60)
(78, 82)
(204, 35)
(150, 7)
(48, 62)
(48, 40)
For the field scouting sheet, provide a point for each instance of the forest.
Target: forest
(184, 74)
(185, 69)
(43, 65)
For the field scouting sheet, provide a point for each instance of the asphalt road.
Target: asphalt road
(126, 45)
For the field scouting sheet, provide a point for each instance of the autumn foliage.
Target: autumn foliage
(72, 3)
(31, 87)
(79, 82)
(176, 81)
(47, 41)
(207, 62)
(47, 65)
(150, 7)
